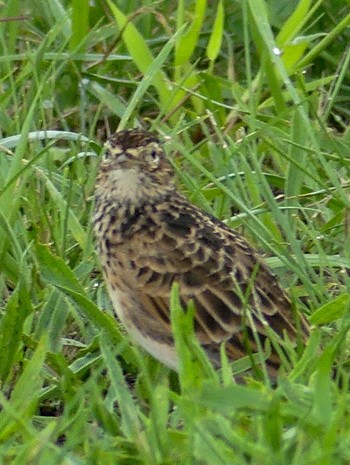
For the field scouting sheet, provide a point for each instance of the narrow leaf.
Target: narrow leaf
(294, 23)
(186, 45)
(140, 51)
(216, 35)
(331, 311)
(121, 393)
(80, 22)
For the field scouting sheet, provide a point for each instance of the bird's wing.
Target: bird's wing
(232, 288)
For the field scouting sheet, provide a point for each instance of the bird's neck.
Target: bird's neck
(130, 187)
(127, 186)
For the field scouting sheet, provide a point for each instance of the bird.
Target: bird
(149, 236)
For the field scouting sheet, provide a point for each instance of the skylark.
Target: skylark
(150, 236)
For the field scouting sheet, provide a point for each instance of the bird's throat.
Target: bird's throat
(128, 185)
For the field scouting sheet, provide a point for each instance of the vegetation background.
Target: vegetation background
(252, 100)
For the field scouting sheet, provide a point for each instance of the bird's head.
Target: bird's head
(134, 164)
(135, 149)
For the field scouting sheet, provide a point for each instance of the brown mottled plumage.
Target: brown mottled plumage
(149, 236)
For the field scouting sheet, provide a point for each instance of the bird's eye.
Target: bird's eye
(154, 158)
(106, 156)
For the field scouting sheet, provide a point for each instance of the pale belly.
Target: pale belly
(165, 353)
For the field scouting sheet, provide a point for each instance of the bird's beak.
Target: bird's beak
(122, 160)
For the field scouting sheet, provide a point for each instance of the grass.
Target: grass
(252, 101)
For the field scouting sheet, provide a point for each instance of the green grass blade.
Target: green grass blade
(10, 335)
(73, 222)
(55, 272)
(331, 311)
(188, 42)
(318, 48)
(25, 394)
(215, 39)
(119, 392)
(140, 52)
(80, 22)
(152, 71)
(294, 23)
